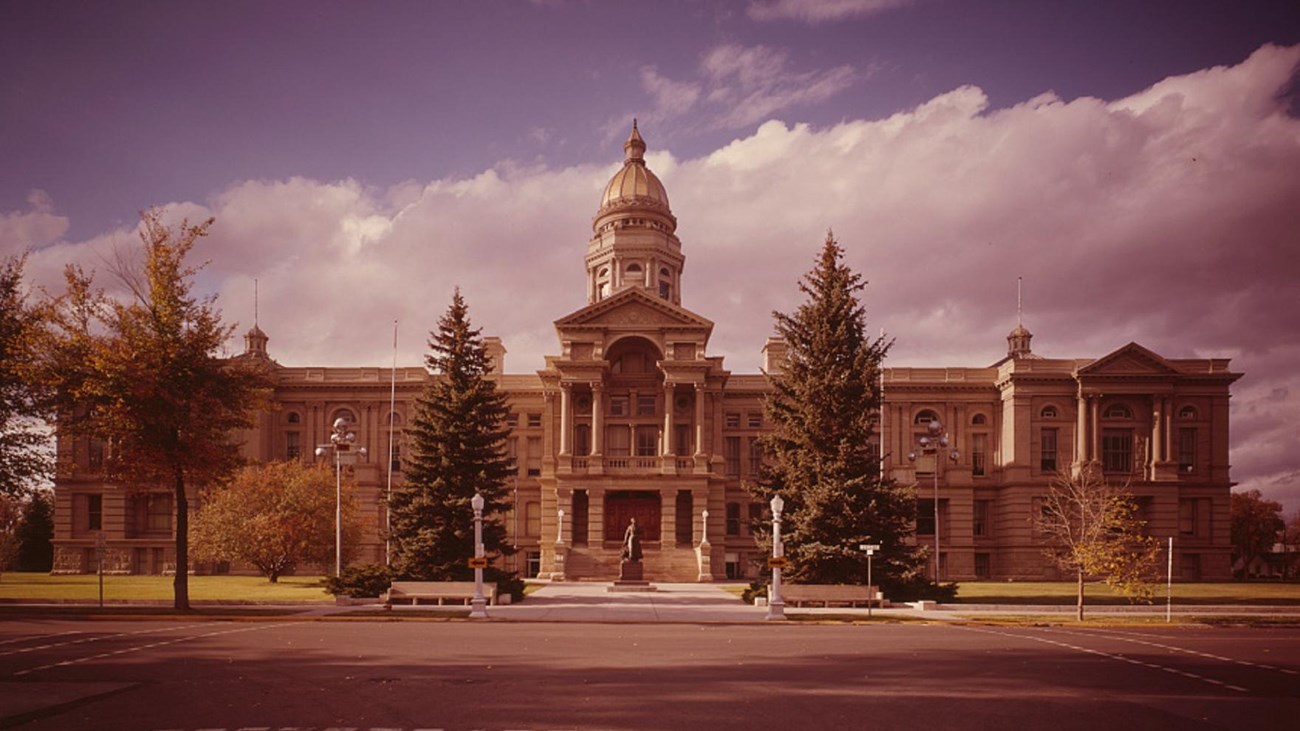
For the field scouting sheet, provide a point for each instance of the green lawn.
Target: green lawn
(1063, 592)
(34, 587)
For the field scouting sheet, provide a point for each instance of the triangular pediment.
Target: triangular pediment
(633, 309)
(1130, 360)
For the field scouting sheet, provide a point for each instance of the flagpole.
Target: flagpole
(392, 436)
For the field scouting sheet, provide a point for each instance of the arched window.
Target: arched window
(634, 273)
(344, 414)
(1187, 413)
(665, 284)
(294, 417)
(602, 283)
(925, 417)
(1118, 411)
(979, 420)
(1048, 412)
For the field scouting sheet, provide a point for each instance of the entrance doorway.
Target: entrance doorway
(621, 506)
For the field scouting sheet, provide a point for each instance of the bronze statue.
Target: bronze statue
(631, 542)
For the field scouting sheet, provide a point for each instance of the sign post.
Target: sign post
(871, 549)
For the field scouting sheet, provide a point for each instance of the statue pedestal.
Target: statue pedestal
(631, 577)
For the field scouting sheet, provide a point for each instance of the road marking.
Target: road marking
(138, 648)
(96, 638)
(33, 638)
(1107, 655)
(1125, 638)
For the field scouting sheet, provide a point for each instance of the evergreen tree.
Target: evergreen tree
(36, 533)
(458, 448)
(824, 405)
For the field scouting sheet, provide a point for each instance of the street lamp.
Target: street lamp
(931, 444)
(341, 442)
(478, 605)
(870, 549)
(704, 527)
(775, 606)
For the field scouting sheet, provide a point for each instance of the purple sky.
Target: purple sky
(1136, 162)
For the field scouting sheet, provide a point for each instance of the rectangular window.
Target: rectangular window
(581, 511)
(159, 509)
(731, 453)
(685, 518)
(733, 519)
(1187, 449)
(1187, 516)
(732, 420)
(395, 464)
(512, 420)
(96, 454)
(618, 405)
(683, 439)
(618, 440)
(512, 453)
(1047, 457)
(534, 420)
(925, 517)
(582, 440)
(534, 456)
(645, 405)
(755, 457)
(532, 563)
(1117, 450)
(983, 566)
(532, 519)
(647, 441)
(978, 454)
(292, 445)
(94, 512)
(755, 420)
(980, 523)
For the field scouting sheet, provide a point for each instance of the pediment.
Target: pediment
(633, 309)
(1130, 360)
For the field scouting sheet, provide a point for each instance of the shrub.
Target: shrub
(369, 580)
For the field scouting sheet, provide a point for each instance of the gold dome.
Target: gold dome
(634, 184)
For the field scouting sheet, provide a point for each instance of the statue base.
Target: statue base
(631, 577)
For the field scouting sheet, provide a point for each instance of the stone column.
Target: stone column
(699, 419)
(1081, 431)
(566, 419)
(668, 419)
(1169, 428)
(1094, 428)
(667, 517)
(1157, 443)
(597, 418)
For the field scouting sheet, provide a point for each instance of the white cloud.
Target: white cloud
(1167, 218)
(819, 11)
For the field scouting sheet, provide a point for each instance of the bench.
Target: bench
(441, 592)
(826, 595)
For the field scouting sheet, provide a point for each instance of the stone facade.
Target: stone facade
(633, 418)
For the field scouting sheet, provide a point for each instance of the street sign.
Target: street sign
(777, 562)
(478, 563)
(870, 548)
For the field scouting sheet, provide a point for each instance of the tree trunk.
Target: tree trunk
(1079, 608)
(181, 584)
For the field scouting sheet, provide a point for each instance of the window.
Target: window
(1117, 450)
(581, 510)
(733, 519)
(980, 525)
(532, 563)
(1187, 413)
(925, 517)
(645, 405)
(665, 290)
(978, 454)
(983, 566)
(1187, 449)
(1118, 411)
(344, 414)
(755, 515)
(731, 453)
(618, 405)
(534, 456)
(512, 453)
(618, 440)
(732, 420)
(534, 420)
(532, 519)
(1047, 458)
(925, 417)
(755, 457)
(979, 420)
(685, 518)
(755, 420)
(94, 512)
(158, 513)
(647, 441)
(292, 445)
(582, 440)
(512, 421)
(634, 273)
(1048, 412)
(96, 453)
(395, 463)
(294, 417)
(683, 439)
(1187, 517)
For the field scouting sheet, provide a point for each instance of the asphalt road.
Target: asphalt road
(153, 675)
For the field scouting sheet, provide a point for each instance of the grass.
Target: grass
(85, 588)
(1098, 594)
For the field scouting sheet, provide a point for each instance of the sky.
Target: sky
(1137, 164)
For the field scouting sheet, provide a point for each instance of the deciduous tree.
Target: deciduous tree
(458, 448)
(1093, 530)
(145, 374)
(823, 409)
(1255, 523)
(275, 516)
(25, 461)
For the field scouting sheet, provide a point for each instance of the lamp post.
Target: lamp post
(870, 549)
(704, 526)
(775, 606)
(931, 444)
(341, 442)
(478, 605)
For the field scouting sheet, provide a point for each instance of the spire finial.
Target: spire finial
(635, 146)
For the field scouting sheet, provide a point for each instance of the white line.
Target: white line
(96, 638)
(138, 648)
(38, 637)
(1125, 638)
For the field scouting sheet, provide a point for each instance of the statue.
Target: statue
(631, 543)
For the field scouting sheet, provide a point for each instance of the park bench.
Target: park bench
(441, 592)
(847, 595)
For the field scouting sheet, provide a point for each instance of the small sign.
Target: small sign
(777, 562)
(479, 562)
(870, 548)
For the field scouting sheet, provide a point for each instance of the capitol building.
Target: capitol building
(633, 418)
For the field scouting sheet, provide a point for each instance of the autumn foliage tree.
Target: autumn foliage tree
(275, 517)
(144, 373)
(818, 456)
(1093, 531)
(1255, 523)
(24, 459)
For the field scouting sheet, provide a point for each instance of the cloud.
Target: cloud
(814, 12)
(1166, 217)
(23, 231)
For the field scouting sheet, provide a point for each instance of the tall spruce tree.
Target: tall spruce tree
(823, 406)
(458, 448)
